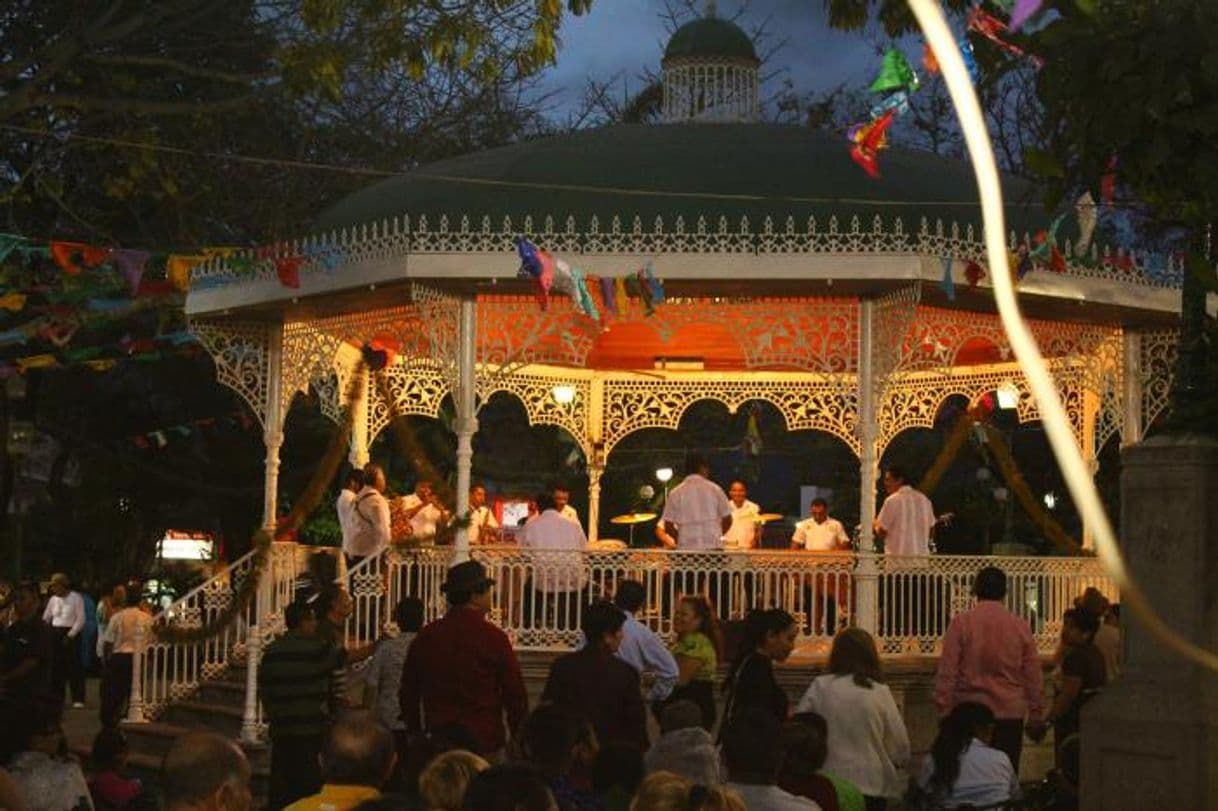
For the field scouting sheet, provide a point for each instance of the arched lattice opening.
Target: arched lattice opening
(514, 458)
(753, 445)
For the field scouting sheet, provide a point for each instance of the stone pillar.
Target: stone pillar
(467, 422)
(1131, 424)
(1150, 740)
(866, 577)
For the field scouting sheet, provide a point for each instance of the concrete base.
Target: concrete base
(1150, 740)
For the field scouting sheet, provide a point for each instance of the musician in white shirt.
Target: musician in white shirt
(696, 512)
(425, 512)
(745, 529)
(344, 506)
(559, 575)
(482, 521)
(370, 532)
(562, 503)
(820, 533)
(907, 518)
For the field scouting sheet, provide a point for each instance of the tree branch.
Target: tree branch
(140, 106)
(184, 68)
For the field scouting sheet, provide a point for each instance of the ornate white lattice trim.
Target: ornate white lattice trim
(241, 353)
(417, 389)
(822, 404)
(894, 314)
(913, 400)
(535, 392)
(396, 238)
(308, 355)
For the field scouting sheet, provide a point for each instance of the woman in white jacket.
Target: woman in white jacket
(867, 738)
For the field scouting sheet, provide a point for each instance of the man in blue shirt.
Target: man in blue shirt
(641, 647)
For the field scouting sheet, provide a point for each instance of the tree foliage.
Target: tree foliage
(128, 121)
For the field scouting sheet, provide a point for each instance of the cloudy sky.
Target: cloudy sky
(625, 36)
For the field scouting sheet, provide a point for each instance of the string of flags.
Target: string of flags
(143, 273)
(160, 438)
(897, 80)
(553, 275)
(104, 357)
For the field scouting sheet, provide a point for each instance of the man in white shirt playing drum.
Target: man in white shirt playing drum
(820, 533)
(482, 523)
(558, 573)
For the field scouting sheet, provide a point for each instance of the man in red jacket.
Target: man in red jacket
(462, 670)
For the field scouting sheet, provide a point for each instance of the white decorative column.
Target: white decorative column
(272, 438)
(866, 576)
(594, 430)
(358, 456)
(135, 703)
(1131, 422)
(467, 422)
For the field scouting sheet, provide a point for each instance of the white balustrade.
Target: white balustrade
(166, 671)
(540, 594)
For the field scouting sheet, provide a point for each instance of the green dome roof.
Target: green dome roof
(710, 36)
(687, 170)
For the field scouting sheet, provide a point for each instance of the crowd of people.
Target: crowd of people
(450, 717)
(52, 638)
(443, 719)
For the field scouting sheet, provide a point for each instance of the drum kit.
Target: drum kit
(631, 519)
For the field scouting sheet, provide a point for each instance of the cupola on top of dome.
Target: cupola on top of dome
(710, 72)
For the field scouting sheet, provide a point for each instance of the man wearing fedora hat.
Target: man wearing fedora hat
(461, 668)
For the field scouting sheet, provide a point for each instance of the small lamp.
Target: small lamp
(1008, 395)
(664, 474)
(563, 393)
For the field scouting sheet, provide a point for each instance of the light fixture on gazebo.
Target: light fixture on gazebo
(563, 393)
(1050, 499)
(1008, 395)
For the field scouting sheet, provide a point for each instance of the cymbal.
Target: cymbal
(764, 517)
(632, 518)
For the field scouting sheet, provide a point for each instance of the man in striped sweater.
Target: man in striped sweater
(294, 682)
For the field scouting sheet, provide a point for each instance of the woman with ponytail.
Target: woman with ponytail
(769, 636)
(962, 768)
(665, 791)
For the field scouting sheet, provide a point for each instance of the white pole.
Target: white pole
(866, 574)
(272, 438)
(467, 422)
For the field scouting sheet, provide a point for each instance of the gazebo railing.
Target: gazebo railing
(165, 671)
(540, 594)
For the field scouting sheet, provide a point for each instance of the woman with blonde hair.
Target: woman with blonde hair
(443, 783)
(665, 791)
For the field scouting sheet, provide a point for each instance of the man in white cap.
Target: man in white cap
(65, 612)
